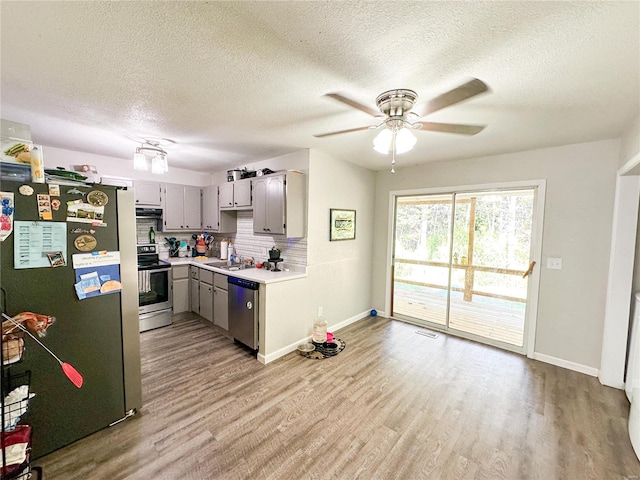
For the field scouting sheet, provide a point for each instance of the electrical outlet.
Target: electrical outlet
(263, 251)
(319, 311)
(554, 263)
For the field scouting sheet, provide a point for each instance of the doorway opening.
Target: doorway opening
(462, 262)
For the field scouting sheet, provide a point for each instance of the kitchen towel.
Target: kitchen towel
(144, 281)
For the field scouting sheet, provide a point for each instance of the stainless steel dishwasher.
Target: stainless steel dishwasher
(243, 311)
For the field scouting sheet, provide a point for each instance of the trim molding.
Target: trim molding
(264, 359)
(559, 362)
(627, 168)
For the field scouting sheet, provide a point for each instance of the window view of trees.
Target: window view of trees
(502, 228)
(491, 238)
(497, 223)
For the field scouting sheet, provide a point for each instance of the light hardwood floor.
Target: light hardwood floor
(392, 405)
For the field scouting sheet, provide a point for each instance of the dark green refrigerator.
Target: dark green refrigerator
(95, 328)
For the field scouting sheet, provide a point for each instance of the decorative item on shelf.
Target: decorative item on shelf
(90, 171)
(159, 163)
(233, 175)
(61, 175)
(248, 173)
(37, 165)
(264, 171)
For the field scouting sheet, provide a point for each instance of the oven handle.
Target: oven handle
(159, 270)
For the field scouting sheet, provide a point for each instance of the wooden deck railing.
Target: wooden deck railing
(468, 290)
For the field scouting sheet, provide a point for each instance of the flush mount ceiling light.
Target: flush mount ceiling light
(159, 163)
(399, 116)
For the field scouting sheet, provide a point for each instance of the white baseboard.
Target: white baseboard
(293, 346)
(348, 321)
(559, 362)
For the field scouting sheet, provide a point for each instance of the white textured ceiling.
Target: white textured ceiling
(236, 82)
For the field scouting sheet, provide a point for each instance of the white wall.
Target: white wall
(577, 228)
(630, 150)
(338, 273)
(630, 142)
(118, 167)
(623, 274)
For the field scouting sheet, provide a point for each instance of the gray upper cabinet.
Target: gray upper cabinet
(147, 194)
(279, 204)
(182, 209)
(268, 210)
(192, 208)
(235, 195)
(210, 209)
(212, 218)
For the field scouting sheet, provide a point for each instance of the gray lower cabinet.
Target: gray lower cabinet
(180, 284)
(194, 289)
(220, 305)
(206, 294)
(206, 301)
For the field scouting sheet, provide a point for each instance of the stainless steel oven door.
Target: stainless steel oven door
(154, 290)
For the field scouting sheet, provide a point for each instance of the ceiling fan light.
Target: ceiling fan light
(139, 161)
(165, 162)
(382, 142)
(158, 165)
(405, 140)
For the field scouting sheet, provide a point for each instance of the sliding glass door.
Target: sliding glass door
(461, 261)
(422, 257)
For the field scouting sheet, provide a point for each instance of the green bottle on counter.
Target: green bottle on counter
(152, 235)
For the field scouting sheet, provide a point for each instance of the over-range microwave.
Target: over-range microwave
(148, 212)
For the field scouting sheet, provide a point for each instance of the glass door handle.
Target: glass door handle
(529, 270)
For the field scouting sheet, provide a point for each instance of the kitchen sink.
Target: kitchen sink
(231, 268)
(218, 265)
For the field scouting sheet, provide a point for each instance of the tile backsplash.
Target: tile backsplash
(292, 250)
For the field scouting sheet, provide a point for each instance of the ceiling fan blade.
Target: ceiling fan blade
(467, 90)
(341, 131)
(452, 128)
(354, 104)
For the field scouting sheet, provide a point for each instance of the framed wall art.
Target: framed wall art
(343, 224)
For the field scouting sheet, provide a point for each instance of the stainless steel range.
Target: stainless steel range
(154, 289)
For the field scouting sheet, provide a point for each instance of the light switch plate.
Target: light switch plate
(554, 263)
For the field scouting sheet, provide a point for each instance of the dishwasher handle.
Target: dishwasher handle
(241, 282)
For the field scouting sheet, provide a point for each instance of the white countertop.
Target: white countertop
(259, 275)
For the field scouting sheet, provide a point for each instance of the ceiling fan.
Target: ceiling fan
(398, 116)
